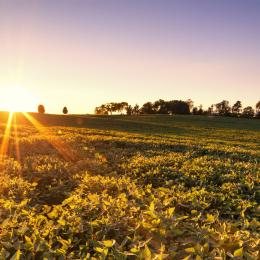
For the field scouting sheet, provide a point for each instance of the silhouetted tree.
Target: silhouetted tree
(248, 112)
(147, 108)
(195, 111)
(123, 106)
(257, 110)
(102, 110)
(236, 108)
(111, 107)
(41, 109)
(160, 107)
(210, 110)
(178, 107)
(190, 103)
(136, 110)
(223, 108)
(129, 110)
(200, 111)
(65, 111)
(257, 107)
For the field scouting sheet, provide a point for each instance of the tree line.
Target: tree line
(187, 107)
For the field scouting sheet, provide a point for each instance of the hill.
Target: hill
(140, 123)
(147, 187)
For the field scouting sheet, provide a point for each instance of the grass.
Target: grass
(146, 187)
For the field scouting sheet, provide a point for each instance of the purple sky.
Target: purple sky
(90, 52)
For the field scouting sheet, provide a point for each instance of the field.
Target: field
(145, 187)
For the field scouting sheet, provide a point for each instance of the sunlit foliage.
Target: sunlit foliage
(188, 193)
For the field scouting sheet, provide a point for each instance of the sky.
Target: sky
(83, 53)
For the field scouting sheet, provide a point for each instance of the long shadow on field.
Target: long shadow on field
(159, 147)
(53, 180)
(97, 122)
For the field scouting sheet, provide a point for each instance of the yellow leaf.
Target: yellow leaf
(238, 252)
(17, 255)
(27, 239)
(99, 249)
(62, 222)
(198, 257)
(190, 250)
(53, 214)
(171, 211)
(134, 250)
(210, 218)
(108, 243)
(206, 247)
(146, 254)
(151, 206)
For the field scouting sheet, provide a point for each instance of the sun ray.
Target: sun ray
(17, 145)
(6, 136)
(64, 150)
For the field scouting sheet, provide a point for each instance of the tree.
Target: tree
(223, 108)
(200, 111)
(41, 109)
(248, 112)
(195, 111)
(190, 103)
(210, 110)
(160, 107)
(236, 108)
(129, 110)
(178, 107)
(147, 108)
(136, 109)
(65, 111)
(122, 106)
(101, 110)
(111, 107)
(257, 107)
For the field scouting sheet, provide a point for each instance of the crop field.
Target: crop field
(137, 187)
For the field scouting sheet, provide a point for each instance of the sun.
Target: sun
(17, 99)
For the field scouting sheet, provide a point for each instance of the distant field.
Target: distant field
(127, 187)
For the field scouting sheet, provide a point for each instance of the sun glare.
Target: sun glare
(17, 99)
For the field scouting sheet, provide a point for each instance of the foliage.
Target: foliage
(65, 111)
(109, 108)
(236, 108)
(180, 107)
(41, 109)
(248, 112)
(188, 191)
(223, 108)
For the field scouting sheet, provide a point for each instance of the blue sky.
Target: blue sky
(83, 53)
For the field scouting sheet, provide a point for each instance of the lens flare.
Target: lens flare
(6, 137)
